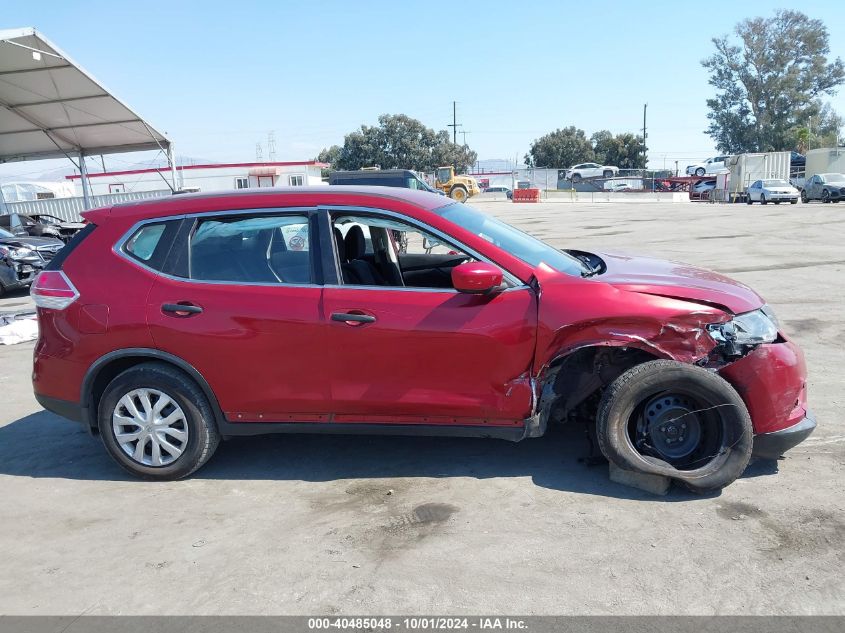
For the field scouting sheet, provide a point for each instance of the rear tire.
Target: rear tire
(608, 173)
(576, 178)
(145, 387)
(793, 201)
(635, 434)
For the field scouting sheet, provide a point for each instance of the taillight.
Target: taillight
(52, 289)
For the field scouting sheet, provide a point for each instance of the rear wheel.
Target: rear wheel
(458, 193)
(576, 177)
(680, 421)
(157, 423)
(608, 173)
(794, 201)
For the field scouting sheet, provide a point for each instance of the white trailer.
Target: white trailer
(825, 160)
(746, 168)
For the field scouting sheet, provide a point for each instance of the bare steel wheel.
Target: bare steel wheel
(156, 422)
(680, 421)
(150, 427)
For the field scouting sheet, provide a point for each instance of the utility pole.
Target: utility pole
(455, 125)
(258, 152)
(271, 146)
(645, 136)
(464, 133)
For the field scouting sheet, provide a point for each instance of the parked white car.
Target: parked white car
(774, 190)
(710, 166)
(590, 170)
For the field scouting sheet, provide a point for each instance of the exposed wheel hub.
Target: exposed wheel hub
(672, 425)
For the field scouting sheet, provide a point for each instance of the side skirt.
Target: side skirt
(233, 429)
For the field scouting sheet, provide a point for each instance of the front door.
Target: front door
(245, 312)
(405, 347)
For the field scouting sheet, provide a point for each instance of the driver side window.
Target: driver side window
(381, 251)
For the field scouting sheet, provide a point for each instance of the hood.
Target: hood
(672, 279)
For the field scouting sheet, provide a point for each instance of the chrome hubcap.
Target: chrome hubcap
(150, 427)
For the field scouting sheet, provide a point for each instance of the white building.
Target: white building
(222, 177)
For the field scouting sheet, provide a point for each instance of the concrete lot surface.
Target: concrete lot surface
(322, 525)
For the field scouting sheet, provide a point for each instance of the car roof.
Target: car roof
(308, 196)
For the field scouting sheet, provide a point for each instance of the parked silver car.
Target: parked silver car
(774, 190)
(590, 170)
(824, 187)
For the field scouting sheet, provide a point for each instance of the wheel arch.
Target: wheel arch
(574, 375)
(108, 366)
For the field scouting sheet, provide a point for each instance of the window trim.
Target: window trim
(241, 178)
(513, 280)
(301, 178)
(309, 212)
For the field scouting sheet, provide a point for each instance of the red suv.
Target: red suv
(167, 325)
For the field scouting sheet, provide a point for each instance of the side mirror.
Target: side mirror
(476, 278)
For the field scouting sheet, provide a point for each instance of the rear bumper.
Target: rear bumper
(773, 445)
(64, 408)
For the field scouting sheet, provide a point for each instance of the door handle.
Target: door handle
(181, 309)
(352, 318)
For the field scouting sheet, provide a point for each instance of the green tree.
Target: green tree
(561, 148)
(400, 142)
(769, 83)
(329, 155)
(625, 150)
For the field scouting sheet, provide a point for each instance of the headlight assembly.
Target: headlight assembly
(16, 253)
(745, 330)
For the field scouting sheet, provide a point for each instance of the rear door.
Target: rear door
(241, 304)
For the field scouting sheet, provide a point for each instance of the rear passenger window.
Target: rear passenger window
(266, 249)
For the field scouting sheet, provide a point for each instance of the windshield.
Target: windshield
(521, 245)
(5, 233)
(775, 183)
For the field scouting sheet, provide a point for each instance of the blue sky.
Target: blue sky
(217, 76)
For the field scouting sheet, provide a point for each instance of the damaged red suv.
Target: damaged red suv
(167, 325)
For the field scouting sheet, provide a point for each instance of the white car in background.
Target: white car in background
(590, 170)
(774, 190)
(710, 166)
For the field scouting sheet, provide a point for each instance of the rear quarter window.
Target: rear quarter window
(150, 243)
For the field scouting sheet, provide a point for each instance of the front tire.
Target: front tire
(576, 178)
(826, 196)
(640, 420)
(156, 422)
(700, 172)
(748, 199)
(763, 199)
(804, 197)
(459, 194)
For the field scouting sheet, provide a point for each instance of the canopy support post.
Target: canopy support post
(3, 209)
(171, 158)
(86, 190)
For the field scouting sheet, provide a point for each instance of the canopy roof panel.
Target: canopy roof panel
(50, 106)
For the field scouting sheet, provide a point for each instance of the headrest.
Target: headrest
(356, 243)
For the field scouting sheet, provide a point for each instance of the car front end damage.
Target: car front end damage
(18, 266)
(656, 352)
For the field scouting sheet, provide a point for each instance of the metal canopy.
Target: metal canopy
(50, 107)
